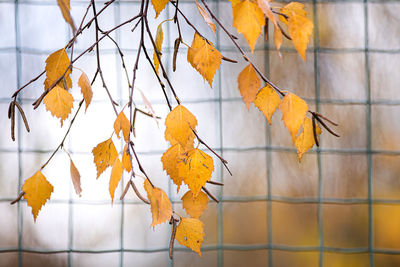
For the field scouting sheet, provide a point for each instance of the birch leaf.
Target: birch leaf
(56, 65)
(159, 5)
(170, 160)
(158, 41)
(86, 89)
(206, 17)
(248, 19)
(194, 206)
(294, 111)
(37, 191)
(305, 141)
(104, 155)
(249, 83)
(59, 102)
(190, 233)
(126, 159)
(122, 124)
(204, 57)
(160, 204)
(179, 124)
(76, 178)
(196, 169)
(267, 101)
(116, 175)
(65, 8)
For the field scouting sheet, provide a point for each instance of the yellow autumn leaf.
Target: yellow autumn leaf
(267, 101)
(65, 8)
(116, 175)
(189, 143)
(248, 19)
(160, 204)
(206, 17)
(122, 124)
(159, 5)
(86, 89)
(170, 160)
(126, 159)
(194, 206)
(179, 124)
(204, 57)
(249, 83)
(300, 27)
(56, 65)
(266, 9)
(158, 41)
(292, 8)
(104, 155)
(59, 102)
(300, 30)
(190, 233)
(76, 178)
(37, 191)
(294, 111)
(196, 169)
(305, 140)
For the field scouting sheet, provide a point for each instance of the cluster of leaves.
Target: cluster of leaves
(183, 162)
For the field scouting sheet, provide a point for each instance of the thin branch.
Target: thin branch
(209, 194)
(18, 198)
(138, 162)
(172, 240)
(215, 183)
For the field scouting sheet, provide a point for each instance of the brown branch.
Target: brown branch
(215, 183)
(172, 240)
(18, 198)
(314, 128)
(209, 194)
(138, 162)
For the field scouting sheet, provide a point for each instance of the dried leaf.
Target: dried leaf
(292, 8)
(37, 191)
(158, 41)
(160, 204)
(278, 39)
(126, 159)
(179, 124)
(104, 155)
(248, 19)
(148, 105)
(266, 9)
(204, 57)
(76, 178)
(59, 102)
(122, 123)
(86, 89)
(196, 169)
(116, 175)
(305, 141)
(194, 206)
(206, 17)
(190, 233)
(267, 101)
(65, 8)
(294, 111)
(56, 65)
(249, 83)
(159, 5)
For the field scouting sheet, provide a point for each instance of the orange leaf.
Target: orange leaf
(206, 17)
(116, 175)
(292, 8)
(65, 8)
(126, 159)
(190, 233)
(305, 141)
(189, 143)
(104, 155)
(76, 178)
(59, 102)
(294, 111)
(179, 124)
(56, 65)
(159, 5)
(203, 56)
(266, 9)
(248, 19)
(158, 41)
(122, 123)
(278, 40)
(267, 100)
(196, 169)
(194, 206)
(170, 160)
(37, 191)
(160, 204)
(249, 83)
(86, 89)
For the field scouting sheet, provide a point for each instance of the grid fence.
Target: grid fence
(220, 247)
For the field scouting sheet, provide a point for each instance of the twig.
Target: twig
(18, 198)
(209, 194)
(173, 234)
(314, 128)
(138, 162)
(215, 183)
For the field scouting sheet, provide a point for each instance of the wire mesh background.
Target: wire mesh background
(273, 211)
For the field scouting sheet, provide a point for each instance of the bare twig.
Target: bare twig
(209, 194)
(18, 198)
(215, 183)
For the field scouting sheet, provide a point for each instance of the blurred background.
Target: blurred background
(339, 207)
